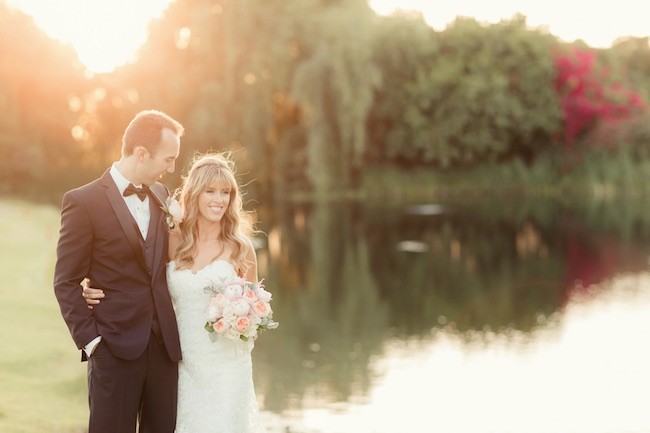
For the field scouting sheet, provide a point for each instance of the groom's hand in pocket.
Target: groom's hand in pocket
(90, 294)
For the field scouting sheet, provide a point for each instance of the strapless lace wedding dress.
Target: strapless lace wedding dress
(215, 381)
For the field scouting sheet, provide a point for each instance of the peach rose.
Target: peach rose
(242, 323)
(249, 296)
(261, 309)
(220, 326)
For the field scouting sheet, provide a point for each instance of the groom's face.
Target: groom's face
(162, 160)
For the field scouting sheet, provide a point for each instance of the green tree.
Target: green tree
(485, 94)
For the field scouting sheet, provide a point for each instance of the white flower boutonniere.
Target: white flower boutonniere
(173, 212)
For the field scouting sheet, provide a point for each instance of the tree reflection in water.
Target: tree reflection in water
(347, 278)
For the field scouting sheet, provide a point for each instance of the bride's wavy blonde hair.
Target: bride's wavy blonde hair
(236, 227)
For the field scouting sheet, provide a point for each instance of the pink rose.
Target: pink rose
(242, 323)
(261, 309)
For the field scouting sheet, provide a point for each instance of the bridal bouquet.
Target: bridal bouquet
(239, 309)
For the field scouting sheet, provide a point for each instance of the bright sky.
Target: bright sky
(106, 33)
(597, 22)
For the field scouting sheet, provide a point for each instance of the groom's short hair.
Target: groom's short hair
(146, 130)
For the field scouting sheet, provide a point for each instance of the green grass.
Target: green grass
(42, 381)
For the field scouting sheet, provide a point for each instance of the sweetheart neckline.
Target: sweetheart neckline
(197, 272)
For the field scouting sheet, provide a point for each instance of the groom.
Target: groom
(113, 232)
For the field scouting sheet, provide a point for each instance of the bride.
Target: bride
(215, 383)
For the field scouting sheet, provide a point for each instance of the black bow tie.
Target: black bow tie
(141, 192)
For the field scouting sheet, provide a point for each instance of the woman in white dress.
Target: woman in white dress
(215, 382)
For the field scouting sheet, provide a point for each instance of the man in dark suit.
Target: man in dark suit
(113, 231)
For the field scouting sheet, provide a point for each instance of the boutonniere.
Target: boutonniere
(173, 211)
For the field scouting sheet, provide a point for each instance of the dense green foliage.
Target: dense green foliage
(471, 93)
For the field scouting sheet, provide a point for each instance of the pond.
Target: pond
(496, 315)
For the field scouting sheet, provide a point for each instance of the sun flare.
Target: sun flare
(105, 34)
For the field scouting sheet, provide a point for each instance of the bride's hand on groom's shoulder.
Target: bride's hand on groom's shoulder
(91, 295)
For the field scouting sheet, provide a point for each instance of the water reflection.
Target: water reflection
(587, 373)
(455, 317)
(333, 321)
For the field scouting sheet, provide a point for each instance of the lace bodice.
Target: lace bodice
(215, 382)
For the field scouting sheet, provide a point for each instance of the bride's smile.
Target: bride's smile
(213, 202)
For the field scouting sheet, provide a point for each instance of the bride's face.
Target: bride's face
(214, 201)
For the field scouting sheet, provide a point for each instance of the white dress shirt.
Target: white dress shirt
(139, 209)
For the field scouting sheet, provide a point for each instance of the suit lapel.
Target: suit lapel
(123, 216)
(160, 193)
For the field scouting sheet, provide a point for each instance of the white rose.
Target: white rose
(212, 313)
(240, 307)
(176, 211)
(229, 313)
(263, 295)
(233, 291)
(254, 319)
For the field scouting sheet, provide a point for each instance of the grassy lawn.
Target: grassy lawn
(43, 383)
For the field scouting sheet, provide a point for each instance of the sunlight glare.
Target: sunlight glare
(585, 373)
(105, 34)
